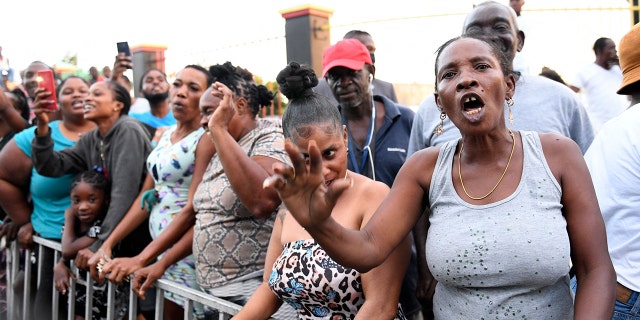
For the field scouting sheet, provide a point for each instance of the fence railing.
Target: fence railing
(225, 308)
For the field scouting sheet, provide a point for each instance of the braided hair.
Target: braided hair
(240, 81)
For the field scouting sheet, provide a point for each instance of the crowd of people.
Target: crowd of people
(502, 196)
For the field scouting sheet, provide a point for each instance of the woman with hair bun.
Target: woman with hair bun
(297, 270)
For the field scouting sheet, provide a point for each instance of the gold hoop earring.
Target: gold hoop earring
(509, 105)
(439, 130)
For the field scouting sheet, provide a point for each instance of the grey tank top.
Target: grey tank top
(504, 260)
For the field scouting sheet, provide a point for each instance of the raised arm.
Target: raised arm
(381, 285)
(595, 295)
(120, 65)
(245, 173)
(46, 161)
(311, 203)
(126, 168)
(263, 302)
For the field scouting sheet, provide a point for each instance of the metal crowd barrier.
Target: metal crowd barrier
(225, 308)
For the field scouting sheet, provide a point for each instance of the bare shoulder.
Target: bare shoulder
(421, 164)
(561, 153)
(11, 157)
(556, 145)
(205, 146)
(368, 187)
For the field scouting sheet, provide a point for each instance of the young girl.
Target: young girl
(90, 192)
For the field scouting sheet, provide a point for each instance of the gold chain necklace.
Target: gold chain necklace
(513, 147)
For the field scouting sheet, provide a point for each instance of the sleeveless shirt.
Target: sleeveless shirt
(504, 260)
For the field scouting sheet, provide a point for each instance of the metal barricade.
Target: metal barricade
(191, 296)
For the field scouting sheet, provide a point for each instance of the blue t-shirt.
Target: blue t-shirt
(50, 196)
(151, 120)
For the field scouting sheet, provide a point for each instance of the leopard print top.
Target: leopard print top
(317, 287)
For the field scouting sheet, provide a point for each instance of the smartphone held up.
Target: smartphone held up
(123, 47)
(47, 82)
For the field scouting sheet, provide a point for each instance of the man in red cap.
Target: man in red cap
(378, 129)
(614, 163)
(380, 87)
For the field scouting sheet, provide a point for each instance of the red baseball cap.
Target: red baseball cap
(348, 53)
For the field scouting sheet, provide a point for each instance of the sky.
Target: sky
(250, 33)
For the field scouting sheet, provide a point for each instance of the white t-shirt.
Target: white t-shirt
(614, 163)
(141, 106)
(599, 86)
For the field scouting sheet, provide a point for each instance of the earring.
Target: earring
(439, 130)
(509, 105)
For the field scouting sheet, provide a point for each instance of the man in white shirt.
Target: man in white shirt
(614, 163)
(600, 81)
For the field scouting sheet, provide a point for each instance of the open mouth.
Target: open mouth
(77, 104)
(88, 107)
(472, 104)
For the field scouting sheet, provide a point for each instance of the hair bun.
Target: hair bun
(296, 80)
(222, 72)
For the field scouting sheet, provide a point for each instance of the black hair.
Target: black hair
(356, 34)
(97, 180)
(203, 70)
(21, 103)
(599, 45)
(505, 64)
(305, 107)
(147, 72)
(59, 87)
(121, 94)
(241, 82)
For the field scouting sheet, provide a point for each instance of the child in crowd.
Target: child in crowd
(90, 195)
